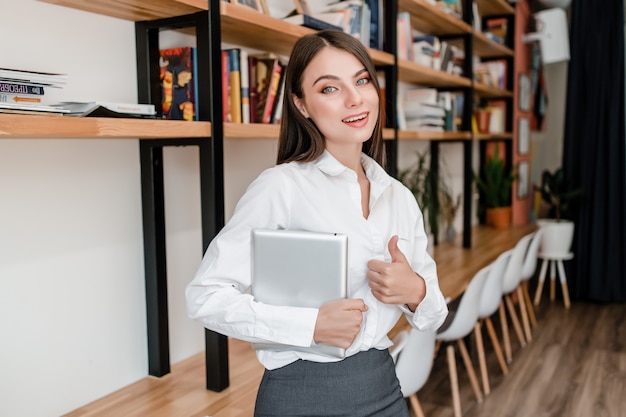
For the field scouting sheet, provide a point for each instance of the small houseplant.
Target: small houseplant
(560, 195)
(495, 184)
(449, 208)
(423, 182)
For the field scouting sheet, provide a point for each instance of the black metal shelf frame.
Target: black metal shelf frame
(207, 28)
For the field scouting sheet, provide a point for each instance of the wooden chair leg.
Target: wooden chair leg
(482, 362)
(552, 281)
(505, 333)
(516, 324)
(416, 406)
(564, 284)
(454, 381)
(524, 314)
(529, 305)
(496, 345)
(542, 279)
(470, 370)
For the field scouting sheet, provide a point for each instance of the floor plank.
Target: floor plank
(575, 367)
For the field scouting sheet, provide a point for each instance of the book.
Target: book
(376, 23)
(245, 86)
(226, 116)
(177, 83)
(30, 108)
(20, 88)
(252, 89)
(278, 104)
(272, 92)
(20, 98)
(266, 65)
(234, 77)
(311, 22)
(106, 109)
(33, 77)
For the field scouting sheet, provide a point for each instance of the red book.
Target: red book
(272, 92)
(225, 88)
(252, 87)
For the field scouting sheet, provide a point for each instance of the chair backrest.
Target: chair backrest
(466, 315)
(492, 289)
(415, 361)
(513, 271)
(530, 260)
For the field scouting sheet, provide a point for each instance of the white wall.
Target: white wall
(72, 303)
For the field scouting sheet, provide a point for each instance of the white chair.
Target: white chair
(413, 353)
(528, 271)
(490, 302)
(510, 284)
(464, 320)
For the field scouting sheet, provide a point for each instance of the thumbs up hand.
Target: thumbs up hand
(395, 282)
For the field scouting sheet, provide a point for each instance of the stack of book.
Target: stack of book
(23, 91)
(252, 86)
(107, 109)
(422, 110)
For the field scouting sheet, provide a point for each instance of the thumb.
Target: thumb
(395, 252)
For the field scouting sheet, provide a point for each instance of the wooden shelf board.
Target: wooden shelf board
(484, 47)
(250, 131)
(483, 90)
(244, 26)
(429, 135)
(494, 136)
(431, 19)
(133, 10)
(494, 8)
(36, 126)
(411, 72)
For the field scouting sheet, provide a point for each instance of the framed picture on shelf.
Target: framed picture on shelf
(524, 92)
(522, 179)
(523, 135)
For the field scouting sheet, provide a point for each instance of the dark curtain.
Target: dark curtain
(594, 150)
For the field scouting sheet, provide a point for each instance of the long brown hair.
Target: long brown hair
(299, 138)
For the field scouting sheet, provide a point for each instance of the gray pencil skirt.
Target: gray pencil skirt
(359, 386)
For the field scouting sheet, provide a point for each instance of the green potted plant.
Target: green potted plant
(423, 182)
(495, 184)
(559, 195)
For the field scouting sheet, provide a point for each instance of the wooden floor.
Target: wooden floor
(574, 367)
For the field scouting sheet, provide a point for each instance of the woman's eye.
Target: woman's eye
(362, 81)
(327, 90)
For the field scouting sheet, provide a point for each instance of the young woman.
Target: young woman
(328, 178)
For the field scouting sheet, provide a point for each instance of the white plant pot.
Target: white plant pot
(557, 237)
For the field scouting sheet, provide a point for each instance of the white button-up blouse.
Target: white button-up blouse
(322, 196)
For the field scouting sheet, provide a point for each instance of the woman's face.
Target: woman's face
(340, 98)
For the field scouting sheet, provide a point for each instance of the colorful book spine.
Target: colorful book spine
(235, 84)
(245, 86)
(17, 88)
(177, 83)
(252, 77)
(20, 98)
(272, 92)
(226, 117)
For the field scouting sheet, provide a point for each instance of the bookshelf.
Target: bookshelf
(215, 22)
(42, 127)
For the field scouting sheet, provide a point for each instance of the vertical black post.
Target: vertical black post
(153, 208)
(468, 108)
(208, 32)
(468, 179)
(434, 187)
(391, 85)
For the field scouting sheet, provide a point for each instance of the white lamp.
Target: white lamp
(552, 34)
